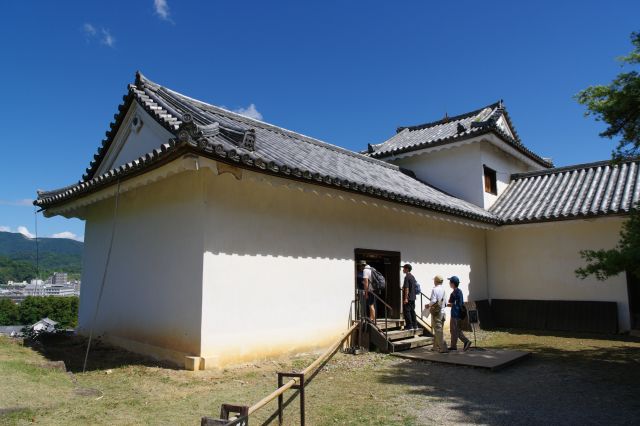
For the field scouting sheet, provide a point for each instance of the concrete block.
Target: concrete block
(193, 363)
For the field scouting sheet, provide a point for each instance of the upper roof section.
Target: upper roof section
(492, 118)
(232, 138)
(581, 191)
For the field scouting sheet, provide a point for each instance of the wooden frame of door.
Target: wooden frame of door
(391, 272)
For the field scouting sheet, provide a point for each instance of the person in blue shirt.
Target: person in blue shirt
(456, 302)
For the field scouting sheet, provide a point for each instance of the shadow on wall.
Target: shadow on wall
(71, 350)
(554, 386)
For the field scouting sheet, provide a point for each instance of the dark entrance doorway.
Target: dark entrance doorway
(388, 264)
(633, 293)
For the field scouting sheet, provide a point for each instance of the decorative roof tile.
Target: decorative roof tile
(580, 191)
(229, 137)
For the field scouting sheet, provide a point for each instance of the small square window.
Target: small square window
(490, 183)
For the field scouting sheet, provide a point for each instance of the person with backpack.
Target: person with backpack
(436, 309)
(458, 314)
(409, 299)
(365, 285)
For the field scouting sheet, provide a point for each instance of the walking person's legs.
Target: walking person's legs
(439, 343)
(412, 314)
(465, 340)
(407, 316)
(443, 342)
(434, 327)
(454, 329)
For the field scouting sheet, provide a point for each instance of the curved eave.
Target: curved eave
(246, 160)
(468, 134)
(564, 218)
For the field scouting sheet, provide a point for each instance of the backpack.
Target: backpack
(418, 289)
(378, 283)
(463, 309)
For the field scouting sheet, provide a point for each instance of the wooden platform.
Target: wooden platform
(492, 359)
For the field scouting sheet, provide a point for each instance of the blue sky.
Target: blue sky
(347, 72)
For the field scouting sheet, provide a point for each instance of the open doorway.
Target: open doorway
(388, 264)
(633, 293)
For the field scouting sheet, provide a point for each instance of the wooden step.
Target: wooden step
(391, 323)
(403, 334)
(414, 342)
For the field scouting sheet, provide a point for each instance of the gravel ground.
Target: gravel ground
(590, 386)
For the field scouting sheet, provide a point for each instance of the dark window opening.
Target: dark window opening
(490, 183)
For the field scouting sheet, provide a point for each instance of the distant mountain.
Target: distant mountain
(14, 244)
(18, 256)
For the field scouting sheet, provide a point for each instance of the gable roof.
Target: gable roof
(232, 138)
(580, 191)
(454, 129)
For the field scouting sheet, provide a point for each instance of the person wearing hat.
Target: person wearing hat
(436, 309)
(409, 299)
(364, 285)
(456, 302)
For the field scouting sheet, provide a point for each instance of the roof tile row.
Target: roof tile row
(579, 191)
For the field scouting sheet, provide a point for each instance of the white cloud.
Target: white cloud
(21, 202)
(89, 30)
(24, 231)
(5, 229)
(107, 38)
(162, 9)
(250, 111)
(67, 234)
(103, 36)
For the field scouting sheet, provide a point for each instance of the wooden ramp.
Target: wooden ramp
(492, 359)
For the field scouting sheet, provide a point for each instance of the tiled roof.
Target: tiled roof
(580, 191)
(232, 138)
(454, 129)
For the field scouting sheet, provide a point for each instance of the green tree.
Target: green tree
(61, 309)
(618, 105)
(625, 257)
(9, 314)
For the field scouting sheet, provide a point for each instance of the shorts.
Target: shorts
(370, 299)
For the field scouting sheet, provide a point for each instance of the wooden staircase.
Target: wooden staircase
(390, 336)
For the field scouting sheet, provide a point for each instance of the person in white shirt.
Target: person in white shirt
(436, 309)
(367, 289)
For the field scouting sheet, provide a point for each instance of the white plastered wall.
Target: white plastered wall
(504, 164)
(279, 261)
(153, 292)
(455, 169)
(537, 262)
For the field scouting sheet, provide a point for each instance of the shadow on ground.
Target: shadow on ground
(569, 334)
(554, 385)
(71, 349)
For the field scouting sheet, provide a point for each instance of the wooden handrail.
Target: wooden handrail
(382, 301)
(421, 307)
(282, 389)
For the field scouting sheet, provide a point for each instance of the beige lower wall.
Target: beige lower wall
(538, 262)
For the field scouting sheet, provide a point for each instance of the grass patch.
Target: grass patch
(375, 389)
